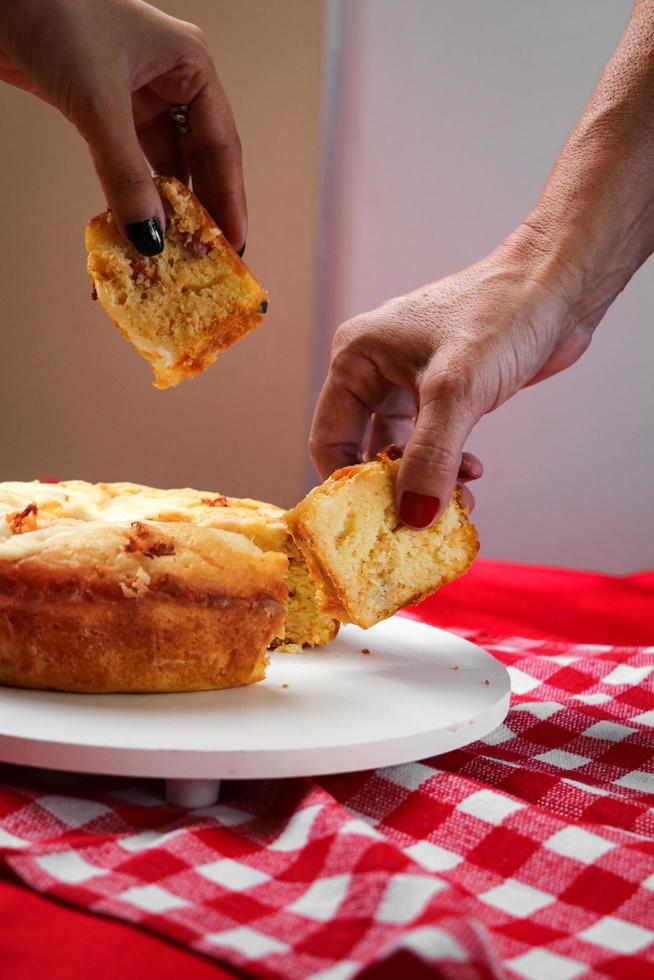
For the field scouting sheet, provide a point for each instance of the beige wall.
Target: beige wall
(76, 400)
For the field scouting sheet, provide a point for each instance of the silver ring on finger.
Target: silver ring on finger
(179, 117)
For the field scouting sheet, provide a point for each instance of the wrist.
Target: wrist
(538, 263)
(594, 252)
(581, 261)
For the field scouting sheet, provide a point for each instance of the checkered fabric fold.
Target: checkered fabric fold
(528, 854)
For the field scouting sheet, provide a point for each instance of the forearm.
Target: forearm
(593, 225)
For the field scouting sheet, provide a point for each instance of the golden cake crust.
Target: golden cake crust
(100, 606)
(154, 646)
(366, 563)
(75, 523)
(262, 523)
(181, 308)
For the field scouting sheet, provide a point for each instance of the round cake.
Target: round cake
(115, 587)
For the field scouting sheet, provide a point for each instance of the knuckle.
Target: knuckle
(197, 34)
(127, 178)
(346, 336)
(433, 457)
(452, 382)
(192, 36)
(190, 72)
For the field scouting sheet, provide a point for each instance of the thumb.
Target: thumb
(429, 467)
(125, 176)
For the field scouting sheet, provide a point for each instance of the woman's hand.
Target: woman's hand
(114, 68)
(454, 350)
(422, 369)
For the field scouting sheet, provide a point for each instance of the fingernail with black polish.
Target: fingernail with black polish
(146, 236)
(241, 250)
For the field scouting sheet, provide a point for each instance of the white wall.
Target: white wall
(446, 120)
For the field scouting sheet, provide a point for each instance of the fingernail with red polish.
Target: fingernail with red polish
(417, 510)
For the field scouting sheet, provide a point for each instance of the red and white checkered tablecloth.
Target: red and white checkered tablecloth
(528, 854)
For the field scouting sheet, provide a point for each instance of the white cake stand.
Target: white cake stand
(418, 692)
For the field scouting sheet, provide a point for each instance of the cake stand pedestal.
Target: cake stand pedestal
(192, 793)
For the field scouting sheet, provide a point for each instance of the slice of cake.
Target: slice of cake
(367, 564)
(182, 307)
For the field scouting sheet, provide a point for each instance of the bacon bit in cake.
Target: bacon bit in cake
(143, 542)
(218, 501)
(285, 686)
(158, 550)
(197, 249)
(454, 668)
(391, 453)
(23, 520)
(366, 652)
(144, 269)
(195, 246)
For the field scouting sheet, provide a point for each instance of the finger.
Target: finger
(353, 390)
(125, 175)
(470, 468)
(156, 132)
(468, 499)
(162, 149)
(392, 423)
(388, 430)
(213, 153)
(430, 464)
(211, 147)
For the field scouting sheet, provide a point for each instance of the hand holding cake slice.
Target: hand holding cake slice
(181, 308)
(367, 564)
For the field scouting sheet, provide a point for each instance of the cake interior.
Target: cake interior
(368, 564)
